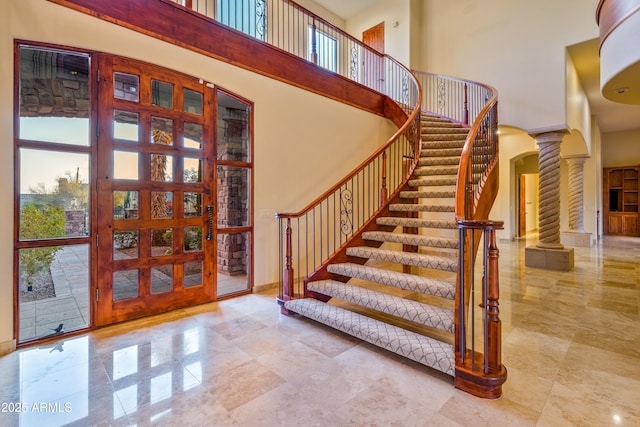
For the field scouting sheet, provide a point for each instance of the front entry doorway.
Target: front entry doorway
(166, 221)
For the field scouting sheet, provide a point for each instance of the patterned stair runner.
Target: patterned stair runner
(407, 309)
(405, 258)
(427, 209)
(408, 282)
(422, 349)
(411, 239)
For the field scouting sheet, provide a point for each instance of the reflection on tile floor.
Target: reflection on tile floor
(571, 344)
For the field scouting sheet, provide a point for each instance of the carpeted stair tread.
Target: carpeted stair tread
(441, 152)
(405, 281)
(407, 309)
(409, 207)
(442, 123)
(428, 137)
(424, 350)
(429, 145)
(429, 118)
(444, 130)
(426, 182)
(416, 222)
(438, 161)
(427, 194)
(436, 170)
(405, 258)
(411, 239)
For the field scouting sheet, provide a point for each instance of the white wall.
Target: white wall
(519, 47)
(291, 126)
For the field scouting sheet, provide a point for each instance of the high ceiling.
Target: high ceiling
(612, 117)
(345, 9)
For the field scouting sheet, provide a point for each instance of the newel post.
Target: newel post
(287, 289)
(479, 369)
(493, 325)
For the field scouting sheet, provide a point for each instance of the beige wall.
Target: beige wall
(623, 148)
(396, 37)
(514, 146)
(578, 111)
(291, 126)
(516, 46)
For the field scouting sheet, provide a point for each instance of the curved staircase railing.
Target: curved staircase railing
(478, 335)
(326, 226)
(322, 230)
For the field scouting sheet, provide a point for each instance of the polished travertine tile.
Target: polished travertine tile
(571, 343)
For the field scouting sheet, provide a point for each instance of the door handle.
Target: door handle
(209, 222)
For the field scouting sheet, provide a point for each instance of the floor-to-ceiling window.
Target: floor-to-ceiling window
(54, 151)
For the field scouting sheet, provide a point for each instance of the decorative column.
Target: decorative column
(548, 252)
(576, 235)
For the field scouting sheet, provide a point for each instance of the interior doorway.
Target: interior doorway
(373, 62)
(527, 204)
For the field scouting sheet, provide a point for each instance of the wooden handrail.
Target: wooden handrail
(380, 151)
(465, 209)
(387, 169)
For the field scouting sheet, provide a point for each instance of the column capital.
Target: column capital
(576, 158)
(551, 134)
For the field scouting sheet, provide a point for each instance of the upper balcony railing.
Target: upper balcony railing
(294, 29)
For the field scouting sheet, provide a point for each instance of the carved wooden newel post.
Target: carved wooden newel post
(479, 372)
(288, 291)
(493, 325)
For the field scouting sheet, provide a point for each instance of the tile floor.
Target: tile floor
(571, 345)
(70, 306)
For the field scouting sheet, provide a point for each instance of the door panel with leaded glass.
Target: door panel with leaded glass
(156, 191)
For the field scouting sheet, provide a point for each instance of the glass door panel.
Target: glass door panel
(234, 182)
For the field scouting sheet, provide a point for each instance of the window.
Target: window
(247, 16)
(324, 48)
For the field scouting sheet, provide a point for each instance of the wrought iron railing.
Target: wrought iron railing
(316, 233)
(310, 237)
(479, 368)
(294, 29)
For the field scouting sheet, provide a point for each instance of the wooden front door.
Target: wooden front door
(156, 191)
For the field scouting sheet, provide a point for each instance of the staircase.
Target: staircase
(399, 296)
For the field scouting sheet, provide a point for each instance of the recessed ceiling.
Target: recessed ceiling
(345, 9)
(611, 116)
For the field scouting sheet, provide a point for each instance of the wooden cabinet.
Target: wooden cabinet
(621, 206)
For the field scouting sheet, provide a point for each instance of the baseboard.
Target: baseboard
(7, 347)
(265, 288)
